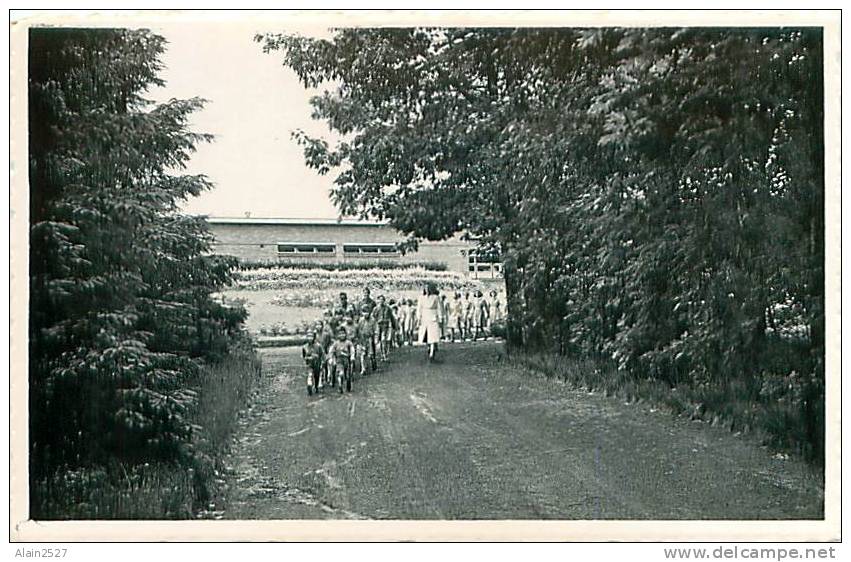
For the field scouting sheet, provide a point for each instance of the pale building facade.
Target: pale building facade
(287, 240)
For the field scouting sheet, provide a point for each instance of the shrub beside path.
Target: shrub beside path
(473, 438)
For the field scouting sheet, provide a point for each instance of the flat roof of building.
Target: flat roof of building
(295, 221)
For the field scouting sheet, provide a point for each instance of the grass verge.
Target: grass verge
(160, 490)
(782, 421)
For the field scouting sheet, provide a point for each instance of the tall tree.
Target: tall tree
(657, 194)
(120, 281)
(428, 117)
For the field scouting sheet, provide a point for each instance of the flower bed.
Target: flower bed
(345, 266)
(383, 280)
(286, 301)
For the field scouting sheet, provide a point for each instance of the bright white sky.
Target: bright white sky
(254, 103)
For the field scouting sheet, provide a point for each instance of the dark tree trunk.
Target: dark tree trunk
(513, 304)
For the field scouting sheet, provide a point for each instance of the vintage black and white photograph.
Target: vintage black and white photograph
(303, 268)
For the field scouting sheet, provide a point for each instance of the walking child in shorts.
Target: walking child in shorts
(314, 357)
(384, 321)
(365, 341)
(341, 355)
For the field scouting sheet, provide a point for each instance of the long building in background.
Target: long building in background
(290, 240)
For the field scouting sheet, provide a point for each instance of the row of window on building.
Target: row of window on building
(486, 264)
(479, 263)
(331, 249)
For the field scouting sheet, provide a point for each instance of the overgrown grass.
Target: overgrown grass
(159, 490)
(149, 491)
(778, 421)
(224, 390)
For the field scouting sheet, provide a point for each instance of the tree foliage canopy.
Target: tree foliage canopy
(657, 194)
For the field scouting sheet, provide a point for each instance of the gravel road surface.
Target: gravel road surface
(473, 438)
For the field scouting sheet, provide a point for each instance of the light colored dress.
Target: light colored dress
(428, 312)
(455, 314)
(469, 310)
(496, 311)
(404, 317)
(409, 319)
(480, 312)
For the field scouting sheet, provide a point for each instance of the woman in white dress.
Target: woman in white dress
(495, 311)
(428, 312)
(496, 308)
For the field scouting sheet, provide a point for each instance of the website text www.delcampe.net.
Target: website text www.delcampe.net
(750, 552)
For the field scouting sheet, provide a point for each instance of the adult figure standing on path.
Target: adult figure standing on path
(481, 312)
(444, 316)
(428, 311)
(366, 303)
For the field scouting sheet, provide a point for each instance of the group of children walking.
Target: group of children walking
(353, 338)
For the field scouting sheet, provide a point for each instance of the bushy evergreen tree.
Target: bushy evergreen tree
(121, 313)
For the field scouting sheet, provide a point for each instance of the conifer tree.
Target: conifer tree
(121, 313)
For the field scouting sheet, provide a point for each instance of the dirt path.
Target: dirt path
(470, 438)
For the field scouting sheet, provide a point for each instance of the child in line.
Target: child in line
(404, 315)
(456, 314)
(341, 356)
(443, 320)
(395, 339)
(325, 336)
(384, 321)
(365, 341)
(326, 331)
(480, 315)
(411, 323)
(342, 307)
(350, 325)
(314, 357)
(469, 313)
(367, 303)
(495, 311)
